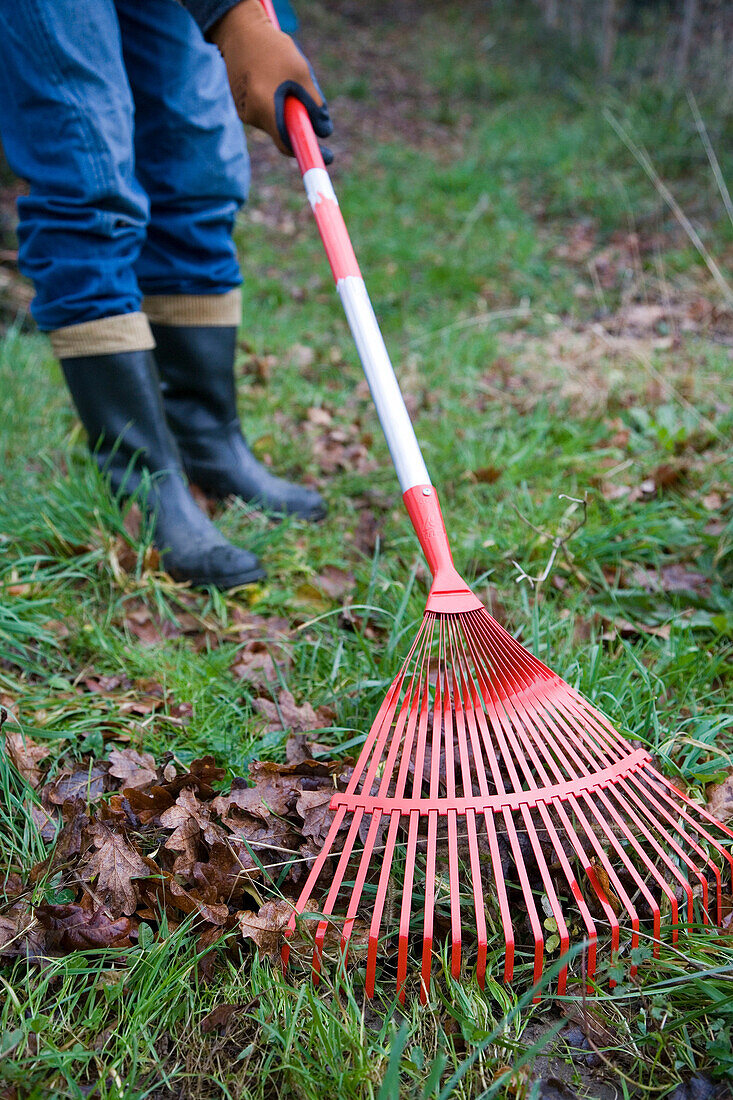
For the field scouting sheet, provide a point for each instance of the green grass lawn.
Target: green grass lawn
(558, 336)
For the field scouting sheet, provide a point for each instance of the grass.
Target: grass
(461, 222)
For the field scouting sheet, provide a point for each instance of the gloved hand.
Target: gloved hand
(264, 67)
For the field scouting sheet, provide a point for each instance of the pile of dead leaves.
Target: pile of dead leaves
(136, 842)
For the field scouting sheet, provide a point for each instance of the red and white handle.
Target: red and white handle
(449, 591)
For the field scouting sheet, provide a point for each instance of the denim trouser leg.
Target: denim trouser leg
(66, 117)
(67, 125)
(190, 151)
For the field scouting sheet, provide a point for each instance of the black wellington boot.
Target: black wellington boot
(118, 399)
(196, 364)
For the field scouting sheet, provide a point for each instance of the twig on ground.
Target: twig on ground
(559, 541)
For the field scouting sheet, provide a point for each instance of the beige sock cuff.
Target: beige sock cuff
(106, 336)
(195, 309)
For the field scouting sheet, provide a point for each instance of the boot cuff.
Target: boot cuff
(105, 336)
(224, 310)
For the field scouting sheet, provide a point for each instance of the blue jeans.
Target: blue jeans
(119, 115)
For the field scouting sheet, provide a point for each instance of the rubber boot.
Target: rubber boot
(196, 364)
(118, 399)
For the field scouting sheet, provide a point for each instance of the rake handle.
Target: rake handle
(449, 591)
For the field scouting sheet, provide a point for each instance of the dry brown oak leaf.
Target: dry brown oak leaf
(75, 927)
(135, 769)
(313, 807)
(112, 867)
(720, 800)
(286, 714)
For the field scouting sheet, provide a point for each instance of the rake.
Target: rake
(483, 769)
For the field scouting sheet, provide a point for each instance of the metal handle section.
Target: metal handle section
(388, 400)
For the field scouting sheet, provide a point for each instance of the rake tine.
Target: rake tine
(590, 871)
(500, 727)
(641, 809)
(452, 823)
(557, 913)
(628, 864)
(310, 882)
(427, 943)
(418, 709)
(651, 900)
(379, 901)
(404, 930)
(333, 893)
(665, 887)
(320, 933)
(407, 714)
(540, 682)
(470, 707)
(379, 733)
(432, 845)
(490, 701)
(417, 783)
(609, 869)
(659, 878)
(577, 895)
(656, 778)
(681, 812)
(534, 920)
(507, 726)
(572, 881)
(360, 880)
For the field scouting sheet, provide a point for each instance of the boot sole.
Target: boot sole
(224, 584)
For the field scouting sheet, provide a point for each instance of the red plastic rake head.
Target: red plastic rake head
(490, 795)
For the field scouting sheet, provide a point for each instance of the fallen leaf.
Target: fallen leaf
(148, 805)
(335, 582)
(85, 782)
(74, 927)
(134, 769)
(720, 800)
(219, 1018)
(242, 797)
(668, 475)
(671, 578)
(368, 531)
(298, 748)
(314, 808)
(188, 809)
(266, 928)
(302, 356)
(605, 883)
(200, 776)
(642, 317)
(149, 629)
(21, 936)
(486, 475)
(227, 871)
(260, 663)
(286, 714)
(25, 755)
(190, 901)
(43, 820)
(624, 628)
(112, 867)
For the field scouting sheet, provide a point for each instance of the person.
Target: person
(123, 118)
